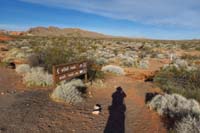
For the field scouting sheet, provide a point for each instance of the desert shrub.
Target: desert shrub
(190, 57)
(94, 71)
(129, 62)
(113, 69)
(188, 124)
(34, 60)
(52, 56)
(38, 77)
(55, 55)
(15, 53)
(101, 61)
(180, 62)
(115, 51)
(185, 46)
(198, 48)
(3, 64)
(179, 80)
(23, 68)
(70, 92)
(174, 105)
(95, 74)
(160, 56)
(144, 64)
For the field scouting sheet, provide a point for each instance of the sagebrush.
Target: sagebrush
(70, 92)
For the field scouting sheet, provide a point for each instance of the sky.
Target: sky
(157, 19)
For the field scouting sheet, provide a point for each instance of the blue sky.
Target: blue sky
(159, 19)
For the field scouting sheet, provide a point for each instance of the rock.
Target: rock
(97, 109)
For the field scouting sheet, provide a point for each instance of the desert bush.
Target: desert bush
(101, 61)
(70, 92)
(23, 68)
(129, 62)
(188, 124)
(179, 80)
(190, 57)
(15, 53)
(160, 56)
(174, 105)
(198, 48)
(113, 69)
(34, 60)
(47, 57)
(94, 70)
(180, 62)
(38, 77)
(144, 64)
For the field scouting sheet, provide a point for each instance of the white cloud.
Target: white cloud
(183, 13)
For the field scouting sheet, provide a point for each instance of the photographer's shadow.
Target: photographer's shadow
(116, 120)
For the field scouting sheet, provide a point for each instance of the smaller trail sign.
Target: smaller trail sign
(69, 71)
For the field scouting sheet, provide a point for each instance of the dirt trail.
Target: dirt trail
(138, 118)
(31, 110)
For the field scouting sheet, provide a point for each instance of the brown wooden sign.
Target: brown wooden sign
(69, 71)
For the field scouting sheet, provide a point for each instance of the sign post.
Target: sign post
(69, 71)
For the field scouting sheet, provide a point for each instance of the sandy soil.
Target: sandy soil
(31, 110)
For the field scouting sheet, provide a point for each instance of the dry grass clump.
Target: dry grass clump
(38, 77)
(70, 92)
(23, 68)
(174, 105)
(113, 69)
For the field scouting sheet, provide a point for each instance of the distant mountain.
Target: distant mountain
(67, 32)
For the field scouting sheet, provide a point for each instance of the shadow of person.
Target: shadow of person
(116, 120)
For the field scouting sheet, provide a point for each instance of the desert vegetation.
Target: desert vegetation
(178, 80)
(177, 74)
(183, 113)
(38, 77)
(71, 92)
(182, 80)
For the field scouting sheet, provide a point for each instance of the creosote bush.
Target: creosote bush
(38, 77)
(70, 92)
(50, 55)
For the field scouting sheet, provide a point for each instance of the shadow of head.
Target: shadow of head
(119, 89)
